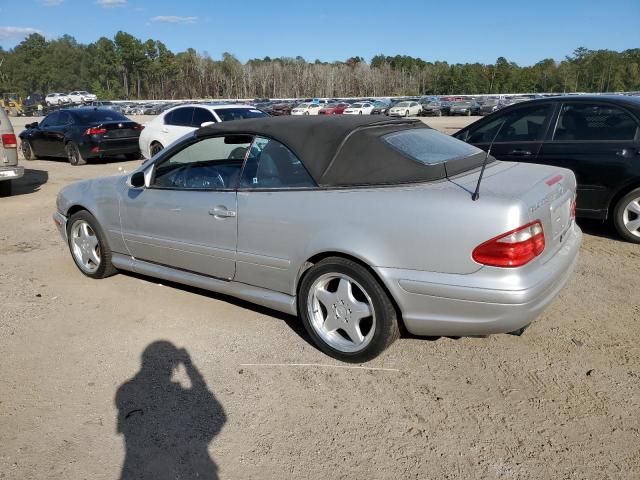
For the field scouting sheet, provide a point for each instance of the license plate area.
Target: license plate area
(560, 217)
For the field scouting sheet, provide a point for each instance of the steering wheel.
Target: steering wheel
(203, 177)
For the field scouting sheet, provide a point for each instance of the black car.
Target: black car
(596, 136)
(82, 133)
(432, 108)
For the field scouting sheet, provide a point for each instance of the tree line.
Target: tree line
(126, 67)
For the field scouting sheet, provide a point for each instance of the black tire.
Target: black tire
(386, 325)
(132, 156)
(406, 114)
(439, 113)
(106, 268)
(74, 155)
(155, 148)
(619, 216)
(5, 188)
(27, 151)
(360, 112)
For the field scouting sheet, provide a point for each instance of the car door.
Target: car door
(177, 123)
(599, 142)
(56, 132)
(269, 238)
(38, 137)
(518, 132)
(186, 218)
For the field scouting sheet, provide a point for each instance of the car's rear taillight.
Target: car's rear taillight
(138, 127)
(573, 207)
(9, 140)
(512, 249)
(95, 131)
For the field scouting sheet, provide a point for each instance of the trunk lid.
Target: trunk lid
(545, 192)
(118, 129)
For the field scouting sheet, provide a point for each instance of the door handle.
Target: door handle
(521, 153)
(165, 130)
(627, 152)
(222, 212)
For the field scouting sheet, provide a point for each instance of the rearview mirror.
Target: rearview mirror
(137, 180)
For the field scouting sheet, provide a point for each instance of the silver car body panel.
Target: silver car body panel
(418, 240)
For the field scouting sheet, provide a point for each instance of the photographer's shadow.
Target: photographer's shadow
(167, 427)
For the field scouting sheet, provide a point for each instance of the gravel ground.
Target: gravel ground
(256, 400)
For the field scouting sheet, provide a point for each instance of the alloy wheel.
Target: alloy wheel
(341, 312)
(85, 246)
(631, 217)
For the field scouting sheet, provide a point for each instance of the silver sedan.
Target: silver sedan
(357, 225)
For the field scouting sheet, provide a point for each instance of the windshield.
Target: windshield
(403, 104)
(228, 114)
(303, 105)
(429, 146)
(356, 105)
(461, 104)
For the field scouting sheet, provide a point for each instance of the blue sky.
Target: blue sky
(460, 31)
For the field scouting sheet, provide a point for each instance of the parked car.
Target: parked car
(306, 108)
(280, 109)
(465, 107)
(491, 105)
(57, 99)
(178, 121)
(301, 232)
(81, 96)
(333, 108)
(105, 104)
(432, 108)
(405, 109)
(80, 134)
(596, 136)
(9, 168)
(359, 108)
(382, 107)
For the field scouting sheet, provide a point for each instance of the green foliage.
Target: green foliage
(127, 67)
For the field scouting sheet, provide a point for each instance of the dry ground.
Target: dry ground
(562, 401)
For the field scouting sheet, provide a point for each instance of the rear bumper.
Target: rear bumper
(61, 222)
(11, 173)
(111, 147)
(490, 300)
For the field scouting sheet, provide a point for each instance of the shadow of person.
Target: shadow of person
(167, 427)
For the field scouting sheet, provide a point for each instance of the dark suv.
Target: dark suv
(596, 136)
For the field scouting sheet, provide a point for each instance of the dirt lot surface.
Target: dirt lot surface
(560, 402)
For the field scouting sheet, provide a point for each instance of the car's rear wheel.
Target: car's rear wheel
(27, 151)
(74, 155)
(155, 148)
(626, 216)
(346, 311)
(88, 246)
(5, 188)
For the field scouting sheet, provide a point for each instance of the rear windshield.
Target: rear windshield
(429, 146)
(100, 115)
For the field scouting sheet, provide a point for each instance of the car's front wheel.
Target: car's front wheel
(88, 246)
(626, 216)
(346, 311)
(155, 148)
(27, 151)
(5, 188)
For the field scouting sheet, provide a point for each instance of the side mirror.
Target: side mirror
(137, 180)
(206, 124)
(32, 125)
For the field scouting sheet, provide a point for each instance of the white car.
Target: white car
(176, 122)
(306, 109)
(57, 99)
(359, 108)
(405, 109)
(81, 96)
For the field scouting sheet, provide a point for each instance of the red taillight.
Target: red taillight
(512, 249)
(138, 127)
(95, 131)
(9, 140)
(573, 207)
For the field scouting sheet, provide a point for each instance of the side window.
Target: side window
(50, 120)
(201, 115)
(180, 117)
(521, 125)
(209, 164)
(272, 165)
(591, 121)
(64, 119)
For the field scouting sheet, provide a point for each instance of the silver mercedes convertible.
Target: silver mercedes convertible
(360, 226)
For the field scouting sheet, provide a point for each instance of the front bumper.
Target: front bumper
(11, 173)
(61, 222)
(490, 300)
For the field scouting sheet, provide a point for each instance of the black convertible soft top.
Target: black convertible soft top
(344, 150)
